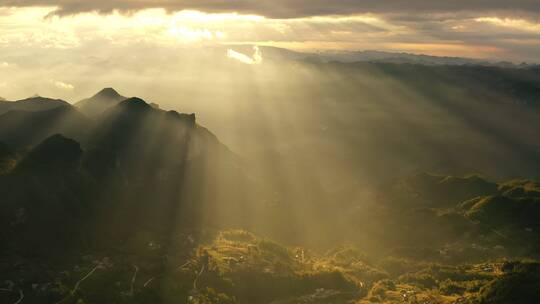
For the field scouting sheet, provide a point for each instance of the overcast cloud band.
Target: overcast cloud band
(288, 8)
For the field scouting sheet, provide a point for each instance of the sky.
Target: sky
(472, 28)
(56, 31)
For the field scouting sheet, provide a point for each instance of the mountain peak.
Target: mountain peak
(98, 103)
(108, 93)
(135, 102)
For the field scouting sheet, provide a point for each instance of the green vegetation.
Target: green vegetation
(520, 283)
(105, 217)
(235, 266)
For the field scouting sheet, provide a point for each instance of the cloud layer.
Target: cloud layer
(488, 29)
(288, 8)
(466, 34)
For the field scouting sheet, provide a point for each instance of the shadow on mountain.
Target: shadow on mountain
(147, 206)
(137, 170)
(22, 129)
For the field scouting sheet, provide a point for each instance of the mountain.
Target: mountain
(145, 205)
(46, 199)
(399, 58)
(434, 209)
(135, 131)
(373, 56)
(100, 102)
(133, 119)
(23, 128)
(31, 104)
(133, 162)
(169, 158)
(54, 153)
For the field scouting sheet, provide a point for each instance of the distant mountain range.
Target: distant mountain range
(384, 57)
(31, 104)
(407, 58)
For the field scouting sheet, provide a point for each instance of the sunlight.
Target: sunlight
(200, 17)
(517, 24)
(39, 27)
(189, 34)
(35, 26)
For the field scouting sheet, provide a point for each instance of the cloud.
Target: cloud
(518, 24)
(62, 85)
(4, 64)
(255, 59)
(283, 8)
(505, 35)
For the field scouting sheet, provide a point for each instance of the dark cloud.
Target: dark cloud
(474, 28)
(288, 8)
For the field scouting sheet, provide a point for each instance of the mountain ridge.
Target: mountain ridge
(376, 56)
(99, 102)
(32, 104)
(147, 200)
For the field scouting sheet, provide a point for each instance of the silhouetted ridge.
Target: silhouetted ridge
(55, 152)
(135, 103)
(173, 114)
(190, 119)
(39, 99)
(121, 126)
(107, 93)
(32, 104)
(100, 102)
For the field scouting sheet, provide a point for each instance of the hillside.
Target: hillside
(147, 206)
(25, 128)
(31, 104)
